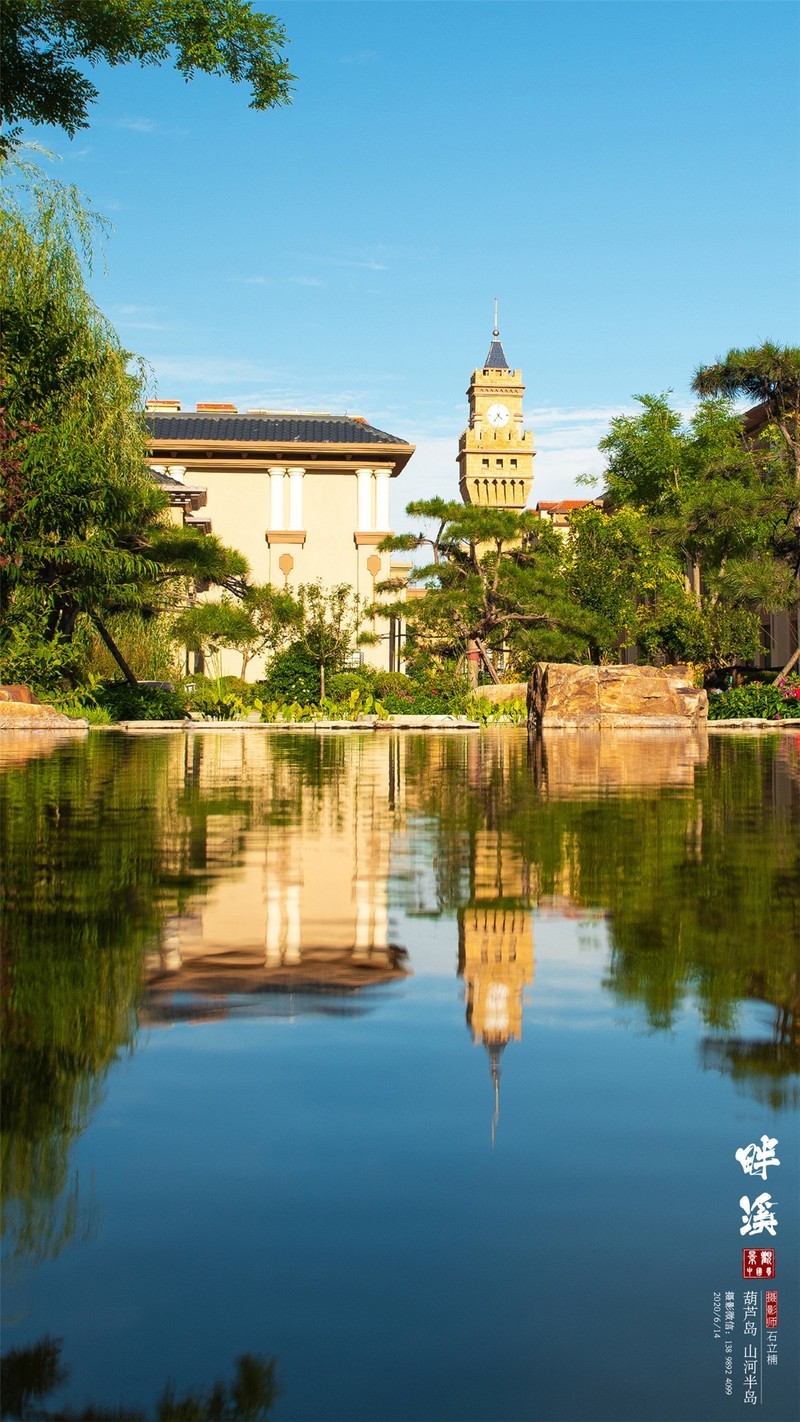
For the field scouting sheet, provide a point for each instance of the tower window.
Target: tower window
(499, 463)
(513, 463)
(485, 463)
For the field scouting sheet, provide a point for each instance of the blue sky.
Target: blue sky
(622, 176)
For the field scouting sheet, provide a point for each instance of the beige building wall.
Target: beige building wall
(299, 514)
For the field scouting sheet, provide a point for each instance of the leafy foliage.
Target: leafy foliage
(141, 703)
(495, 579)
(293, 675)
(772, 703)
(44, 42)
(330, 621)
(84, 530)
(723, 503)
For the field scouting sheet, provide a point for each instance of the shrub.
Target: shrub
(27, 660)
(768, 702)
(392, 684)
(140, 703)
(341, 685)
(293, 676)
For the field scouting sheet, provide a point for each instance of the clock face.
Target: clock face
(498, 416)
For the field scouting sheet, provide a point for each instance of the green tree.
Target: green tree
(275, 616)
(633, 585)
(769, 374)
(726, 506)
(84, 527)
(496, 580)
(329, 625)
(45, 45)
(262, 621)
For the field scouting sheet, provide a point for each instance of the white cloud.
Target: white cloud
(566, 447)
(250, 280)
(306, 281)
(138, 125)
(141, 124)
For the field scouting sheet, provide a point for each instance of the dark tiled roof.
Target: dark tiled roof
(496, 359)
(269, 429)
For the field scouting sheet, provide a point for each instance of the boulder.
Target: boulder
(18, 693)
(28, 716)
(625, 697)
(506, 691)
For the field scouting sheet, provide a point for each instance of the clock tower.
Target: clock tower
(495, 452)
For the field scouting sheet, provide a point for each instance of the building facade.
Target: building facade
(303, 496)
(495, 452)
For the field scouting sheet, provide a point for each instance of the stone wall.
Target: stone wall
(586, 697)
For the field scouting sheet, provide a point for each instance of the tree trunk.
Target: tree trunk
(321, 681)
(114, 650)
(487, 662)
(473, 658)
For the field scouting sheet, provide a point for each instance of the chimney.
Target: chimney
(207, 407)
(163, 407)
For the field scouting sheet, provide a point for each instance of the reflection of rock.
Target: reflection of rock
(599, 761)
(28, 744)
(623, 696)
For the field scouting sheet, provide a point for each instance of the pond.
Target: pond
(413, 1068)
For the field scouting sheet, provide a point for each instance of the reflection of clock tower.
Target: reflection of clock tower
(495, 453)
(495, 947)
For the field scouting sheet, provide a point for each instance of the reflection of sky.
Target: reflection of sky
(312, 1175)
(326, 1191)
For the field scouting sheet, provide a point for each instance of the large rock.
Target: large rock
(505, 691)
(30, 716)
(10, 692)
(586, 697)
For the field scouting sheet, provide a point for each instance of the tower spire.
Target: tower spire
(496, 359)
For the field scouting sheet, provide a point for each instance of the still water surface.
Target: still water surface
(417, 1064)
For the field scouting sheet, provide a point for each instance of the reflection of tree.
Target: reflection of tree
(699, 880)
(27, 1375)
(87, 871)
(102, 844)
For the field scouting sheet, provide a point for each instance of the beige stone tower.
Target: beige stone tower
(495, 452)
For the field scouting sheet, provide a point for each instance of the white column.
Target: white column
(293, 933)
(382, 477)
(296, 498)
(274, 937)
(365, 523)
(276, 519)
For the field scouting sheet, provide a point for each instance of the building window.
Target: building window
(485, 463)
(513, 463)
(499, 463)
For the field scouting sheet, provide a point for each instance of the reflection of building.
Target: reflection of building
(495, 947)
(301, 901)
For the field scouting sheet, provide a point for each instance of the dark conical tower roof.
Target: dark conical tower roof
(496, 359)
